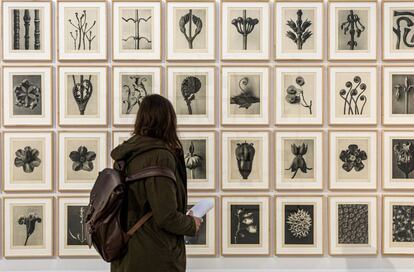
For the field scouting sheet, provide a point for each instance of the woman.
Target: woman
(159, 244)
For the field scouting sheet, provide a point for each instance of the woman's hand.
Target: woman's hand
(198, 221)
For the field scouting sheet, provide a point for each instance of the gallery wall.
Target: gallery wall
(312, 157)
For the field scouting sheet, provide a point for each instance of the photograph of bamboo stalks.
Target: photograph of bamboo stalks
(26, 29)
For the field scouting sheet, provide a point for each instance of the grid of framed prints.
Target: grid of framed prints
(291, 116)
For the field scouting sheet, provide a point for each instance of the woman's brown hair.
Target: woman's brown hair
(156, 118)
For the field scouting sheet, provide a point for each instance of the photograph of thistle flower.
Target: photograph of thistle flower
(299, 225)
(352, 30)
(398, 237)
(353, 95)
(191, 90)
(398, 90)
(245, 225)
(28, 227)
(299, 30)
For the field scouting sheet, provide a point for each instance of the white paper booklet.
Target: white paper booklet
(202, 207)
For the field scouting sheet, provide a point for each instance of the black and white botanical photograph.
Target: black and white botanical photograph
(298, 159)
(403, 159)
(403, 93)
(136, 26)
(80, 96)
(352, 29)
(76, 225)
(403, 223)
(245, 224)
(195, 158)
(245, 165)
(352, 158)
(27, 96)
(134, 89)
(27, 226)
(299, 224)
(244, 29)
(353, 224)
(27, 28)
(245, 94)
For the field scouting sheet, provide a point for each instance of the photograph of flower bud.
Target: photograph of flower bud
(195, 158)
(27, 226)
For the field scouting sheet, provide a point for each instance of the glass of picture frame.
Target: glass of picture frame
(82, 95)
(28, 227)
(353, 159)
(28, 161)
(299, 160)
(72, 227)
(199, 155)
(191, 30)
(299, 225)
(361, 16)
(299, 92)
(27, 30)
(245, 225)
(397, 225)
(204, 242)
(27, 94)
(250, 42)
(245, 160)
(245, 95)
(397, 27)
(82, 30)
(353, 95)
(137, 30)
(353, 226)
(397, 84)
(81, 156)
(130, 85)
(306, 42)
(191, 90)
(397, 159)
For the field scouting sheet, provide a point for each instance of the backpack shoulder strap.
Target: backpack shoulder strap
(152, 171)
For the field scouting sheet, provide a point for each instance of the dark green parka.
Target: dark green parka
(158, 246)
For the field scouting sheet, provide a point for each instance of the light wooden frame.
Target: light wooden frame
(318, 202)
(264, 205)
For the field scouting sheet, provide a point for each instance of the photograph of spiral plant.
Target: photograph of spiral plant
(354, 27)
(353, 158)
(29, 222)
(244, 26)
(354, 97)
(29, 42)
(27, 94)
(245, 224)
(403, 223)
(244, 155)
(404, 158)
(295, 95)
(82, 159)
(299, 32)
(192, 160)
(83, 35)
(353, 224)
(136, 36)
(403, 27)
(191, 32)
(298, 162)
(134, 93)
(82, 91)
(77, 225)
(247, 96)
(27, 158)
(189, 87)
(403, 91)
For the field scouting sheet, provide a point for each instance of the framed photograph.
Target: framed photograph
(136, 30)
(397, 30)
(27, 30)
(27, 227)
(245, 225)
(245, 160)
(398, 216)
(398, 160)
(397, 98)
(245, 95)
(191, 90)
(130, 85)
(200, 158)
(81, 156)
(352, 30)
(353, 160)
(299, 160)
(204, 243)
(245, 31)
(72, 227)
(299, 225)
(299, 95)
(353, 225)
(118, 137)
(82, 30)
(82, 95)
(299, 30)
(28, 161)
(191, 30)
(27, 95)
(353, 95)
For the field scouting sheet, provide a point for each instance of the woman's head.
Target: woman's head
(156, 118)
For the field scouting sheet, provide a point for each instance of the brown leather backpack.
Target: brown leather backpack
(108, 195)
